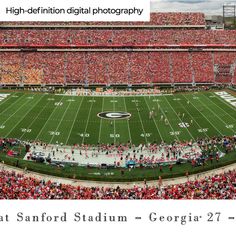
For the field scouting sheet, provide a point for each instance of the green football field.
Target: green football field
(71, 119)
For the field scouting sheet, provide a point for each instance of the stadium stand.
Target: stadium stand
(224, 65)
(173, 48)
(116, 67)
(116, 54)
(181, 67)
(17, 186)
(203, 67)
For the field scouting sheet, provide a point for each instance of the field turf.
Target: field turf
(70, 119)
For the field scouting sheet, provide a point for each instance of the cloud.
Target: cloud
(212, 7)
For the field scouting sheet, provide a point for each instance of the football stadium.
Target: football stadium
(118, 110)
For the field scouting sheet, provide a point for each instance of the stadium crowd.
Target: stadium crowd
(119, 64)
(120, 155)
(222, 186)
(117, 67)
(116, 55)
(105, 56)
(17, 186)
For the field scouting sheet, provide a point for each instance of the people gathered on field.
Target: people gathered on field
(143, 154)
(221, 186)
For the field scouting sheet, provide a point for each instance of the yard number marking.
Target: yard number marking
(58, 103)
(175, 133)
(56, 133)
(146, 135)
(24, 130)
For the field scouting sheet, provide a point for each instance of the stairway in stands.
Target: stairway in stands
(192, 70)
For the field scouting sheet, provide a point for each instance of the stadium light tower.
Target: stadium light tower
(229, 12)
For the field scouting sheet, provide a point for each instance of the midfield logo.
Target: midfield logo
(116, 115)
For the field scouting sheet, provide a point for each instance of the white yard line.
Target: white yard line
(34, 119)
(15, 112)
(64, 113)
(88, 120)
(222, 100)
(179, 118)
(141, 122)
(206, 118)
(6, 99)
(17, 100)
(74, 120)
(100, 128)
(220, 107)
(55, 108)
(169, 122)
(22, 117)
(195, 120)
(127, 121)
(154, 121)
(212, 111)
(114, 125)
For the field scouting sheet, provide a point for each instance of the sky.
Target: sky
(210, 7)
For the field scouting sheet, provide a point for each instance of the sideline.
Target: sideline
(125, 185)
